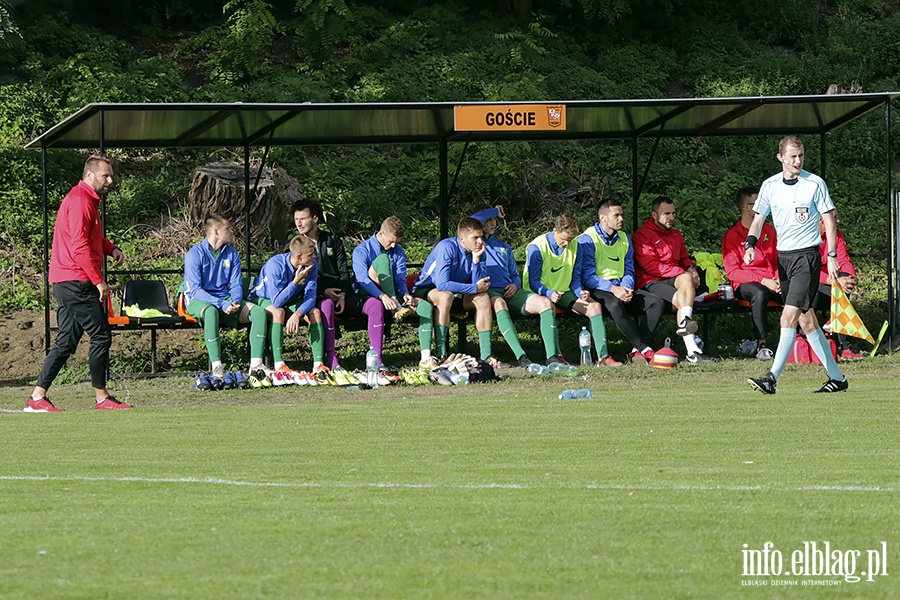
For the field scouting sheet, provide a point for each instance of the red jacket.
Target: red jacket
(842, 255)
(658, 253)
(78, 242)
(765, 263)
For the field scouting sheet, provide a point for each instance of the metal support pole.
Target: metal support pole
(444, 190)
(46, 256)
(635, 194)
(247, 269)
(892, 213)
(822, 155)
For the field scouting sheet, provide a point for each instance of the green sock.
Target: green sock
(548, 332)
(277, 335)
(426, 328)
(317, 341)
(258, 322)
(508, 331)
(441, 332)
(382, 267)
(210, 320)
(484, 343)
(598, 332)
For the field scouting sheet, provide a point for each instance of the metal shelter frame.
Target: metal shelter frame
(193, 125)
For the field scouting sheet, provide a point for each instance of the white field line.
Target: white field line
(457, 486)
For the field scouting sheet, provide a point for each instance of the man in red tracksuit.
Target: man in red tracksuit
(76, 265)
(663, 267)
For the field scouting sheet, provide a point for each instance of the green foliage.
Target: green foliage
(242, 47)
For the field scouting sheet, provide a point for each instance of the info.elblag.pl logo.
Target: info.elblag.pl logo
(813, 560)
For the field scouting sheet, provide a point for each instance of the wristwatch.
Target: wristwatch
(832, 254)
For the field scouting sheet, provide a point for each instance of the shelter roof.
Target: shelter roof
(149, 125)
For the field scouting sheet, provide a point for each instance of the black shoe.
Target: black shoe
(687, 327)
(833, 385)
(524, 361)
(766, 384)
(496, 363)
(699, 357)
(557, 358)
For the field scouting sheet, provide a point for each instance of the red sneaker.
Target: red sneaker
(648, 354)
(40, 405)
(637, 358)
(608, 361)
(849, 354)
(110, 403)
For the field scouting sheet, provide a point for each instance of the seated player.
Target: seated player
(508, 297)
(213, 292)
(757, 282)
(605, 267)
(663, 267)
(379, 267)
(549, 269)
(453, 276)
(287, 291)
(848, 280)
(335, 293)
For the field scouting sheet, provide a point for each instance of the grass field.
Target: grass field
(649, 490)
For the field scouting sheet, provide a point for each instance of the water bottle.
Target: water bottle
(561, 368)
(575, 394)
(372, 367)
(536, 369)
(584, 342)
(459, 379)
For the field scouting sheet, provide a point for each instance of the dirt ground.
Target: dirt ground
(22, 346)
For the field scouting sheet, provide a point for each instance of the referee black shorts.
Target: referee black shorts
(799, 274)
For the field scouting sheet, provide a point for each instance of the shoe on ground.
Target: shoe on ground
(524, 361)
(637, 358)
(260, 374)
(218, 383)
(849, 354)
(323, 376)
(240, 381)
(228, 381)
(254, 383)
(766, 384)
(403, 313)
(833, 385)
(496, 363)
(203, 382)
(608, 361)
(429, 364)
(280, 378)
(698, 357)
(558, 359)
(764, 354)
(40, 405)
(688, 326)
(110, 403)
(218, 372)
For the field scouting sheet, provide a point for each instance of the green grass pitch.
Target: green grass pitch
(649, 490)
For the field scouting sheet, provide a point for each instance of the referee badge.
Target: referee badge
(801, 213)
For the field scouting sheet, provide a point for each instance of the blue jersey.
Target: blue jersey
(586, 278)
(213, 278)
(363, 257)
(449, 268)
(795, 209)
(499, 262)
(276, 284)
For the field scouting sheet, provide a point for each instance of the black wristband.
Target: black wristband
(751, 241)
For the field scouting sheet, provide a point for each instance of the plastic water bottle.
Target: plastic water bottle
(536, 369)
(573, 394)
(561, 368)
(459, 379)
(584, 342)
(372, 367)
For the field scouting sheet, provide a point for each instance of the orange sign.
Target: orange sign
(509, 117)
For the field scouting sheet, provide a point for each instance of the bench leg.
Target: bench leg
(153, 351)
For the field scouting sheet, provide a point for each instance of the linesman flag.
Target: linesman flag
(844, 318)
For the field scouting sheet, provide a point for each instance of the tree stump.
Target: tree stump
(219, 188)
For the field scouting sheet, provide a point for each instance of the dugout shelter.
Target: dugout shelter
(247, 126)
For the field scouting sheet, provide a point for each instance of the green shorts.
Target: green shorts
(264, 302)
(516, 304)
(196, 308)
(567, 301)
